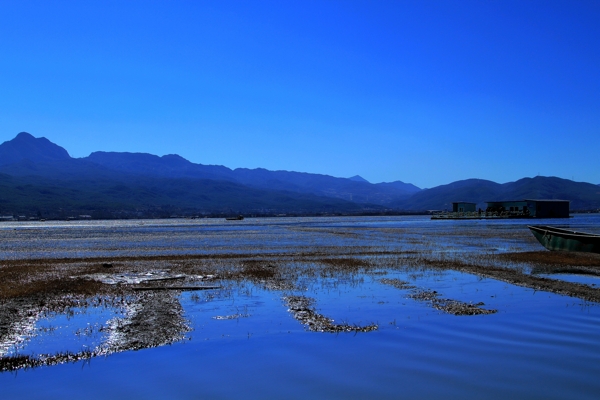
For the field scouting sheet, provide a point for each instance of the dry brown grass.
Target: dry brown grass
(559, 258)
(56, 284)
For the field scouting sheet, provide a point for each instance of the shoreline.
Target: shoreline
(146, 288)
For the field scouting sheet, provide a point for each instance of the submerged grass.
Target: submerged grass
(454, 307)
(17, 362)
(302, 309)
(29, 288)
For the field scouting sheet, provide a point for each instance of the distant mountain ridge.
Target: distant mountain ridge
(358, 178)
(174, 166)
(26, 147)
(39, 176)
(36, 174)
(583, 196)
(168, 166)
(26, 155)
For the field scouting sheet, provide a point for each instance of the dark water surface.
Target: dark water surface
(538, 344)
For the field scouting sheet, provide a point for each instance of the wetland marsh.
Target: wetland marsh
(358, 307)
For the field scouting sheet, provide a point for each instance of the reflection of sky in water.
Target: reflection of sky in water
(590, 280)
(538, 345)
(76, 330)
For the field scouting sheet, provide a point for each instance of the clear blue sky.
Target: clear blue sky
(427, 92)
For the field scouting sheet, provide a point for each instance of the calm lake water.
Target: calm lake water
(538, 344)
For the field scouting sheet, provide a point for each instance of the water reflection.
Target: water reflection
(248, 340)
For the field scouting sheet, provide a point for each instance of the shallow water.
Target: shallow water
(590, 280)
(80, 328)
(537, 345)
(60, 239)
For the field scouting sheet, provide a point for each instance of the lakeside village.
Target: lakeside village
(25, 218)
(546, 208)
(528, 208)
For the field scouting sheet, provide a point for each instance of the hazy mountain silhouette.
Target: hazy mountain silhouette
(325, 185)
(36, 174)
(169, 166)
(174, 166)
(153, 197)
(25, 147)
(358, 178)
(39, 176)
(583, 196)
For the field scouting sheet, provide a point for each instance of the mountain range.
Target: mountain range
(40, 178)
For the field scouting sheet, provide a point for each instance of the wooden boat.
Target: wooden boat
(562, 239)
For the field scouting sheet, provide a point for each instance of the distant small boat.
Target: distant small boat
(566, 240)
(238, 218)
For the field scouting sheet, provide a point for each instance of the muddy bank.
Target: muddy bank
(39, 281)
(557, 262)
(154, 319)
(302, 308)
(434, 299)
(555, 259)
(518, 277)
(40, 289)
(154, 316)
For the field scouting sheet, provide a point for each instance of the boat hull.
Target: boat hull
(565, 240)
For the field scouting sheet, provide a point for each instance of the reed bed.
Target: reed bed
(30, 288)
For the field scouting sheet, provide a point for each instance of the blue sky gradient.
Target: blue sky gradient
(427, 92)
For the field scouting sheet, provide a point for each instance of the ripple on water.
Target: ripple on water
(538, 344)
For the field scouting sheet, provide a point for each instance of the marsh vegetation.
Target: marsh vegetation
(330, 280)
